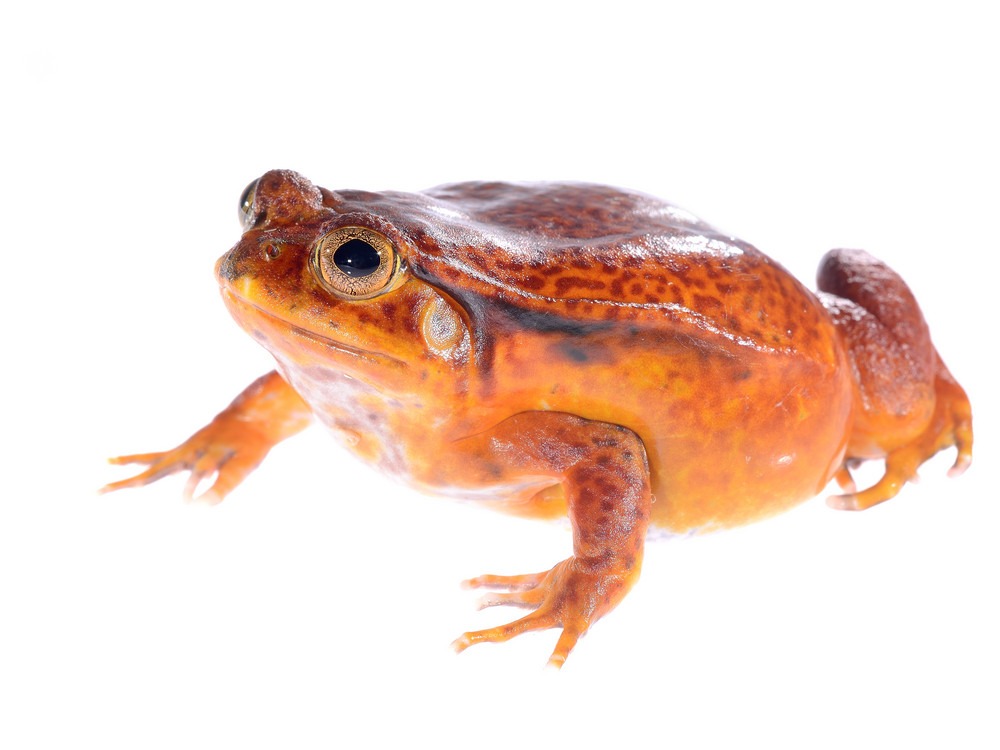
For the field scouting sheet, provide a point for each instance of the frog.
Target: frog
(565, 350)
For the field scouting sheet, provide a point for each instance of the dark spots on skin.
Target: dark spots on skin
(582, 475)
(605, 487)
(652, 299)
(617, 289)
(790, 313)
(580, 263)
(567, 283)
(636, 289)
(533, 282)
(742, 375)
(493, 470)
(585, 497)
(573, 352)
(550, 270)
(607, 506)
(509, 265)
(725, 289)
(411, 323)
(604, 442)
(704, 303)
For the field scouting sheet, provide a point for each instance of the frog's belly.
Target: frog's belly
(744, 456)
(733, 434)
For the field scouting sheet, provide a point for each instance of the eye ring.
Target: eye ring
(355, 262)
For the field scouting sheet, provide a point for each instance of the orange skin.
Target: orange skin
(570, 349)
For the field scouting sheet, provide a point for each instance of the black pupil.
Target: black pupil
(356, 258)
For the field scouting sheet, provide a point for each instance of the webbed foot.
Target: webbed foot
(950, 425)
(226, 451)
(573, 595)
(229, 447)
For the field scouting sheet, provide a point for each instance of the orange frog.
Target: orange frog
(573, 349)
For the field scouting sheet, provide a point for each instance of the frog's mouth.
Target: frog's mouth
(280, 335)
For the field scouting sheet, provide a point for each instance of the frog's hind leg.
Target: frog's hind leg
(908, 405)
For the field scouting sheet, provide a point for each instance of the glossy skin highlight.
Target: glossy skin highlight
(575, 349)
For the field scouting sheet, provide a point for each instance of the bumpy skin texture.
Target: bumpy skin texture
(573, 349)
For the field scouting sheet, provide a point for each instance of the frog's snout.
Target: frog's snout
(225, 269)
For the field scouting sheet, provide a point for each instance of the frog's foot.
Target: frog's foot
(223, 449)
(572, 596)
(843, 476)
(951, 424)
(230, 446)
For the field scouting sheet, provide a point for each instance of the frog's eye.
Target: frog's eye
(246, 205)
(355, 262)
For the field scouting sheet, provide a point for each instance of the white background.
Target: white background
(314, 607)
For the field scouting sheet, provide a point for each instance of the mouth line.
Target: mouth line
(376, 358)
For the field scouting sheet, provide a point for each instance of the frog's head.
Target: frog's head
(323, 281)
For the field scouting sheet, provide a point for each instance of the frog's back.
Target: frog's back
(586, 253)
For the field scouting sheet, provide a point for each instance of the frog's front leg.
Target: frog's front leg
(230, 446)
(605, 478)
